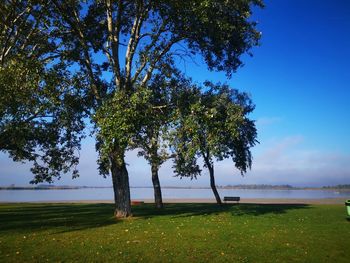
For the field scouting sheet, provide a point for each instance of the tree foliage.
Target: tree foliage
(41, 103)
(152, 140)
(117, 47)
(214, 125)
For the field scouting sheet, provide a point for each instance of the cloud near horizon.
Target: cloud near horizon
(277, 161)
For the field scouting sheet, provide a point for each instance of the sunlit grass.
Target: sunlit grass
(179, 233)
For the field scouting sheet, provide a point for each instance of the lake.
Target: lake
(168, 193)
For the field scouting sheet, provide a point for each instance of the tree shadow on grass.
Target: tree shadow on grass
(201, 209)
(61, 217)
(262, 209)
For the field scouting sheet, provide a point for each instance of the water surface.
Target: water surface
(168, 193)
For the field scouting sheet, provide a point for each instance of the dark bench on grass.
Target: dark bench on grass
(232, 198)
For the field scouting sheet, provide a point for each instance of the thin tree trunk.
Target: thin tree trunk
(156, 186)
(212, 184)
(211, 174)
(120, 179)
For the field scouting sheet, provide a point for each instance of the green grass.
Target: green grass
(179, 233)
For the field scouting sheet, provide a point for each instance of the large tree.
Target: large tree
(120, 45)
(214, 125)
(152, 140)
(40, 101)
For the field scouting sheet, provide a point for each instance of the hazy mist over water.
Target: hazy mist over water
(147, 193)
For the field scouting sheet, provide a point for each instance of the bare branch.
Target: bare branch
(108, 54)
(76, 26)
(25, 11)
(14, 32)
(113, 37)
(155, 39)
(87, 60)
(153, 64)
(25, 42)
(7, 47)
(134, 40)
(48, 58)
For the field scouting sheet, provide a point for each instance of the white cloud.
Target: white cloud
(277, 161)
(266, 121)
(291, 163)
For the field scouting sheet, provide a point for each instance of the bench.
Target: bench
(232, 198)
(137, 202)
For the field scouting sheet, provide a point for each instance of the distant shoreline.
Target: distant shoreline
(270, 201)
(242, 187)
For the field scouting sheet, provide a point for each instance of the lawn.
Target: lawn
(179, 233)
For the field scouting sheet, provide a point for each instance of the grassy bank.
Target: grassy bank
(179, 233)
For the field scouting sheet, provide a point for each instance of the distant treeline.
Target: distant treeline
(239, 186)
(259, 186)
(283, 187)
(47, 187)
(339, 186)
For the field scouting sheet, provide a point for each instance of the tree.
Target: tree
(40, 111)
(214, 126)
(152, 140)
(150, 34)
(151, 137)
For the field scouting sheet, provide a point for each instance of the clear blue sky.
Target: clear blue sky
(299, 79)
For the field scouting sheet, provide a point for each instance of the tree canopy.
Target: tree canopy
(214, 125)
(112, 50)
(41, 102)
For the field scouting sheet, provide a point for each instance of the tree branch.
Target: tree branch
(14, 30)
(75, 25)
(113, 38)
(155, 39)
(153, 64)
(134, 39)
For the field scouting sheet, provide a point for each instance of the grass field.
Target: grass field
(179, 233)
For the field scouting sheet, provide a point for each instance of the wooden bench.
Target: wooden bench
(232, 198)
(137, 202)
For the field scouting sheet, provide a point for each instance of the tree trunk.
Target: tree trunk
(156, 186)
(212, 184)
(120, 179)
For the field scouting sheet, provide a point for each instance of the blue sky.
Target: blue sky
(299, 79)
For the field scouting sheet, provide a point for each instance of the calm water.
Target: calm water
(147, 193)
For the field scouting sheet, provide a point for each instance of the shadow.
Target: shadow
(194, 209)
(60, 217)
(262, 209)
